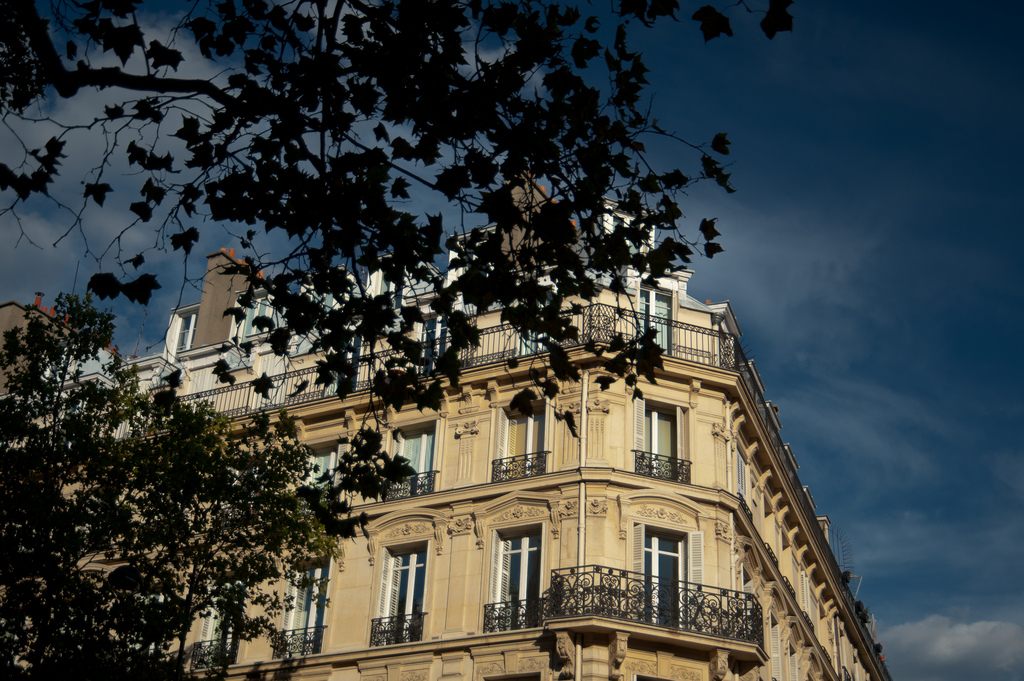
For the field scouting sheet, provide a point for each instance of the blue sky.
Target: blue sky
(872, 255)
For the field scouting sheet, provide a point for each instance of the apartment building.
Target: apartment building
(670, 539)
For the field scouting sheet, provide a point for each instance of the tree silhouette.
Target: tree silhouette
(126, 517)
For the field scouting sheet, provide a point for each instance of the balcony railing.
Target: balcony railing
(298, 642)
(510, 615)
(771, 554)
(213, 654)
(746, 507)
(846, 674)
(598, 591)
(412, 486)
(515, 467)
(661, 467)
(387, 631)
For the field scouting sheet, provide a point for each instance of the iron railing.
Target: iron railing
(213, 654)
(298, 642)
(594, 590)
(388, 631)
(771, 554)
(846, 674)
(661, 467)
(746, 507)
(515, 467)
(510, 615)
(413, 486)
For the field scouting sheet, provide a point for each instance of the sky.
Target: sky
(872, 257)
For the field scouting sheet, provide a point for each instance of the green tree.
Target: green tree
(126, 517)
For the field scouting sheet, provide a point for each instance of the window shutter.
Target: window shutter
(680, 439)
(741, 474)
(776, 652)
(696, 557)
(794, 666)
(638, 548)
(501, 434)
(387, 572)
(639, 412)
(499, 569)
(805, 592)
(210, 626)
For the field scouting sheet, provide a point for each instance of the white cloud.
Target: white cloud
(937, 648)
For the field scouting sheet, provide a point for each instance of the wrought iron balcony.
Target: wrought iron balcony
(509, 615)
(789, 585)
(298, 642)
(661, 467)
(594, 590)
(846, 674)
(213, 654)
(746, 507)
(771, 554)
(412, 486)
(387, 631)
(515, 467)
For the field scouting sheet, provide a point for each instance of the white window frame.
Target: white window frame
(425, 435)
(189, 330)
(501, 564)
(391, 576)
(315, 593)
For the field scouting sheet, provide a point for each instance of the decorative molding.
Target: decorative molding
(719, 664)
(490, 669)
(371, 547)
(440, 528)
(415, 675)
(681, 673)
(374, 677)
(520, 512)
(622, 516)
(478, 531)
(460, 525)
(567, 509)
(534, 664)
(636, 667)
(723, 530)
(597, 506)
(467, 429)
(408, 530)
(658, 513)
(566, 652)
(556, 518)
(720, 431)
(616, 655)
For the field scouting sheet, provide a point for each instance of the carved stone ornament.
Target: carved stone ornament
(415, 675)
(467, 429)
(680, 673)
(408, 530)
(339, 561)
(371, 548)
(720, 431)
(478, 531)
(555, 517)
(566, 653)
(621, 506)
(374, 677)
(465, 402)
(520, 512)
(658, 513)
(460, 525)
(616, 655)
(567, 509)
(597, 506)
(719, 665)
(533, 664)
(641, 668)
(439, 532)
(490, 669)
(723, 530)
(598, 406)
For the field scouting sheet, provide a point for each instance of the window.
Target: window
(404, 583)
(741, 474)
(658, 442)
(186, 331)
(323, 462)
(435, 342)
(418, 448)
(519, 435)
(260, 308)
(666, 561)
(308, 599)
(400, 609)
(516, 568)
(656, 313)
(794, 665)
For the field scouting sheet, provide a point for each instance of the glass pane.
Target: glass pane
(421, 574)
(514, 575)
(517, 436)
(650, 423)
(533, 569)
(538, 434)
(666, 435)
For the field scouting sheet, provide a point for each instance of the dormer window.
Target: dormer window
(656, 313)
(186, 331)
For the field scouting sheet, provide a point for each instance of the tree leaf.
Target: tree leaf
(105, 285)
(140, 289)
(712, 22)
(707, 228)
(185, 239)
(720, 143)
(98, 192)
(777, 18)
(163, 56)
